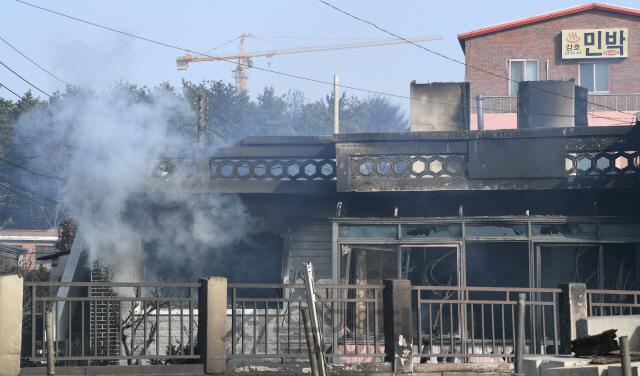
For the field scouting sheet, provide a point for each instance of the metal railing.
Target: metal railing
(597, 102)
(270, 328)
(478, 324)
(612, 302)
(107, 323)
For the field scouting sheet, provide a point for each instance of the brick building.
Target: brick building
(560, 46)
(37, 242)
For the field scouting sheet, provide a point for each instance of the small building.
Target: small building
(11, 256)
(596, 45)
(38, 243)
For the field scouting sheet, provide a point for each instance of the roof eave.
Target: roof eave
(543, 17)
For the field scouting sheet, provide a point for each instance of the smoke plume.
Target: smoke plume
(105, 149)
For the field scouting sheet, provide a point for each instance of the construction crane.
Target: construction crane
(244, 59)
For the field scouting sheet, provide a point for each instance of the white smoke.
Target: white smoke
(109, 146)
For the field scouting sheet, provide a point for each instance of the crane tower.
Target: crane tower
(243, 60)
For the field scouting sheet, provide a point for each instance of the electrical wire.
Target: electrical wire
(26, 189)
(258, 68)
(23, 79)
(231, 124)
(311, 79)
(14, 93)
(33, 172)
(28, 198)
(447, 57)
(25, 56)
(235, 119)
(226, 130)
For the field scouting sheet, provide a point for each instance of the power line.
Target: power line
(447, 57)
(14, 93)
(311, 79)
(33, 172)
(231, 124)
(224, 129)
(28, 198)
(25, 56)
(23, 79)
(235, 119)
(28, 190)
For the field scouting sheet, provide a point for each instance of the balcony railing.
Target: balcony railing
(597, 103)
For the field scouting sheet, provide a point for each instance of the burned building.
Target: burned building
(528, 207)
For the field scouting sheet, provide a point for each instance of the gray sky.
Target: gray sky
(86, 55)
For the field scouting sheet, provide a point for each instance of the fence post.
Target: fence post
(212, 324)
(573, 307)
(10, 324)
(398, 324)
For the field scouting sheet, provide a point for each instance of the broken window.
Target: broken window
(432, 231)
(368, 231)
(496, 230)
(569, 230)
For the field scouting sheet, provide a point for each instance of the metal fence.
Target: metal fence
(265, 322)
(106, 323)
(597, 103)
(477, 324)
(612, 302)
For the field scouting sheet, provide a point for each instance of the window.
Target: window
(521, 70)
(595, 77)
(42, 250)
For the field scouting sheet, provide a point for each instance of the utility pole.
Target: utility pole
(336, 105)
(201, 120)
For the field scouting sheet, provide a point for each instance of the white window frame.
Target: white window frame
(594, 75)
(509, 61)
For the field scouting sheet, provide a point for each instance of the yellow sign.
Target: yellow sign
(595, 43)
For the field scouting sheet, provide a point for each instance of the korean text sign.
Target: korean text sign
(595, 43)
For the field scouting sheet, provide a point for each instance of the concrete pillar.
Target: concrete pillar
(398, 324)
(573, 307)
(212, 324)
(10, 324)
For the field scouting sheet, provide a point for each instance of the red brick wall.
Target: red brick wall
(542, 41)
(30, 245)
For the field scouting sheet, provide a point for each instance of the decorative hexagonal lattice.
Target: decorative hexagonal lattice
(401, 166)
(408, 167)
(226, 169)
(583, 163)
(272, 169)
(293, 169)
(276, 170)
(260, 169)
(310, 169)
(418, 166)
(384, 166)
(366, 167)
(174, 168)
(244, 169)
(327, 169)
(454, 166)
(603, 162)
(435, 166)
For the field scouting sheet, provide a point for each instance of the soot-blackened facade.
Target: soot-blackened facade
(517, 208)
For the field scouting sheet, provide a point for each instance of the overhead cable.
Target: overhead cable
(311, 79)
(25, 56)
(450, 58)
(23, 79)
